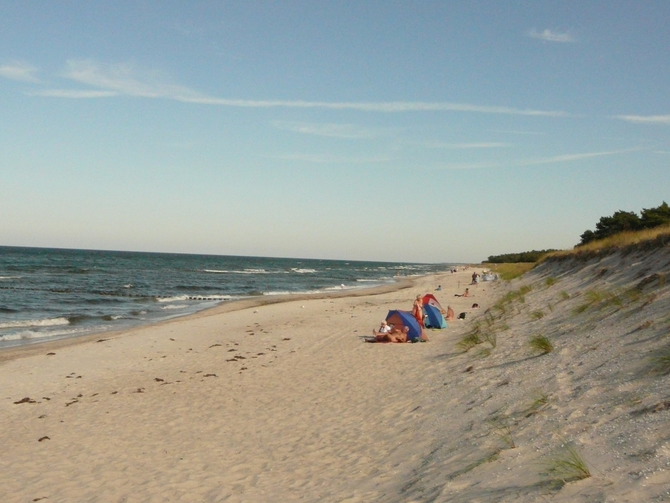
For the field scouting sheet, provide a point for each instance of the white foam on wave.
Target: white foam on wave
(242, 271)
(49, 322)
(27, 335)
(183, 298)
(303, 271)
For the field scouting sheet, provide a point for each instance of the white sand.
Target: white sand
(284, 402)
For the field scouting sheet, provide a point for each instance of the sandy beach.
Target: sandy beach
(284, 401)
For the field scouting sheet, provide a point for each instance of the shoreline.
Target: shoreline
(31, 348)
(279, 401)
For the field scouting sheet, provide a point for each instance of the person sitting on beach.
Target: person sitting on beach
(465, 294)
(391, 335)
(451, 315)
(384, 328)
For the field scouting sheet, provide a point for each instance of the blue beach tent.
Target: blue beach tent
(434, 317)
(402, 319)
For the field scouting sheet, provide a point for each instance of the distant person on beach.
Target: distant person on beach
(451, 315)
(439, 288)
(465, 294)
(417, 311)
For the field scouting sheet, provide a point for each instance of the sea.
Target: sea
(48, 294)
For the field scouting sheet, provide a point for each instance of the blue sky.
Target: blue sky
(433, 131)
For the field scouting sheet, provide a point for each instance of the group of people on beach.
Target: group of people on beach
(387, 332)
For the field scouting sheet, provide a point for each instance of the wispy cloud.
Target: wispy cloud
(73, 93)
(518, 132)
(128, 80)
(387, 107)
(558, 159)
(645, 119)
(467, 146)
(548, 35)
(330, 130)
(331, 159)
(23, 72)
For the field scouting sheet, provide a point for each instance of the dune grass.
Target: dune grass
(656, 237)
(661, 362)
(503, 429)
(541, 343)
(540, 402)
(510, 271)
(567, 465)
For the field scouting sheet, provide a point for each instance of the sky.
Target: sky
(427, 131)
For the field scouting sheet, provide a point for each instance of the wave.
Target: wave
(27, 335)
(181, 298)
(241, 271)
(303, 271)
(47, 322)
(174, 306)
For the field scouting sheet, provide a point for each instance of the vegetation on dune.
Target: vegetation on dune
(626, 221)
(515, 258)
(623, 229)
(649, 238)
(567, 465)
(510, 271)
(541, 343)
(661, 362)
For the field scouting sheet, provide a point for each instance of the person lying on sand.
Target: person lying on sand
(392, 335)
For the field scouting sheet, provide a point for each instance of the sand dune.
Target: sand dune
(284, 401)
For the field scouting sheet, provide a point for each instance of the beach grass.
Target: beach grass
(540, 401)
(471, 339)
(510, 271)
(568, 465)
(661, 362)
(541, 343)
(503, 429)
(647, 238)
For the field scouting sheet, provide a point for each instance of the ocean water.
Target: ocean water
(47, 294)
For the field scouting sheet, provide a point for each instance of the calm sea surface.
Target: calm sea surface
(54, 293)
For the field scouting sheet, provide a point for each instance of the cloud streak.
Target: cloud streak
(548, 35)
(329, 130)
(468, 146)
(19, 71)
(645, 119)
(558, 159)
(126, 80)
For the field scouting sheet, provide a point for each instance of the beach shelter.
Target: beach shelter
(430, 300)
(434, 318)
(402, 319)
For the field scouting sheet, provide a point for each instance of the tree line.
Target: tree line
(515, 258)
(622, 221)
